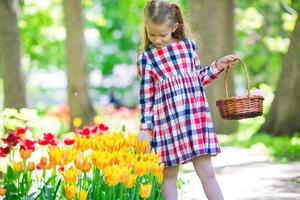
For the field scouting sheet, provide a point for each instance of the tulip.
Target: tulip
(70, 191)
(43, 161)
(142, 168)
(25, 154)
(30, 166)
(55, 155)
(156, 170)
(82, 143)
(100, 159)
(4, 151)
(70, 175)
(28, 145)
(82, 195)
(18, 166)
(112, 175)
(83, 163)
(159, 178)
(145, 190)
(130, 182)
(2, 191)
(69, 141)
(69, 155)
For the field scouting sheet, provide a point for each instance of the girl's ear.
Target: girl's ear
(175, 27)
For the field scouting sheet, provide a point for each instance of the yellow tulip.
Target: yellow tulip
(2, 191)
(130, 182)
(159, 178)
(82, 143)
(25, 154)
(124, 173)
(70, 191)
(30, 166)
(69, 155)
(55, 155)
(82, 195)
(156, 170)
(18, 166)
(141, 146)
(145, 190)
(100, 159)
(142, 168)
(112, 175)
(70, 175)
(83, 163)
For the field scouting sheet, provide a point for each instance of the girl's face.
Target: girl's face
(160, 34)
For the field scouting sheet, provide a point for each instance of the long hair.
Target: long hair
(159, 12)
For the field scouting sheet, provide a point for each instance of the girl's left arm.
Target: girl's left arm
(212, 72)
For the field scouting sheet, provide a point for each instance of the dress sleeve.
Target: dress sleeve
(208, 73)
(147, 90)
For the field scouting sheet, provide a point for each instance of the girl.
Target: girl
(175, 117)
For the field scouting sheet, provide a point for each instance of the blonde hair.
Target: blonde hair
(158, 12)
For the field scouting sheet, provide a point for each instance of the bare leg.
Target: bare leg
(206, 173)
(169, 187)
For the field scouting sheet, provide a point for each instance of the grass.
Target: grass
(279, 148)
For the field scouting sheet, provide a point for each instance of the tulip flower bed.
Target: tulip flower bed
(91, 163)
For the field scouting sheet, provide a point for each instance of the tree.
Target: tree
(216, 40)
(78, 97)
(10, 55)
(284, 118)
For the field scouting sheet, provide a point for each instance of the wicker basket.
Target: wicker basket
(234, 108)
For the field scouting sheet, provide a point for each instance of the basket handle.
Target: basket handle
(246, 73)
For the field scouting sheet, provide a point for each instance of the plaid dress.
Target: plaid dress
(173, 103)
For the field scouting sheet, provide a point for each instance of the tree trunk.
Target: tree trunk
(284, 117)
(10, 56)
(78, 97)
(212, 24)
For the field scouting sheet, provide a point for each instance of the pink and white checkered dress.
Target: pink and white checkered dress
(173, 103)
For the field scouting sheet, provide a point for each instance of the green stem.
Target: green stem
(109, 193)
(85, 181)
(137, 188)
(44, 174)
(80, 181)
(54, 176)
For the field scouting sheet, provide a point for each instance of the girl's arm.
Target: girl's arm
(209, 73)
(147, 90)
(212, 72)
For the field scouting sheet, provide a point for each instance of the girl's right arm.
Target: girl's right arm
(147, 90)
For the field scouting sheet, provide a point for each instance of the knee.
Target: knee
(171, 172)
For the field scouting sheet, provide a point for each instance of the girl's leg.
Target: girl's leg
(169, 187)
(206, 173)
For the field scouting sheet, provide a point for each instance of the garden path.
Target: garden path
(246, 174)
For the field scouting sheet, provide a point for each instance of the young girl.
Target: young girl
(175, 116)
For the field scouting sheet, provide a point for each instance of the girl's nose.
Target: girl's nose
(158, 42)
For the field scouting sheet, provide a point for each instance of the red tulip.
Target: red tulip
(28, 145)
(21, 131)
(11, 140)
(68, 141)
(102, 127)
(4, 151)
(49, 138)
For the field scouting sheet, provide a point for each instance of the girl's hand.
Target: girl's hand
(227, 61)
(144, 135)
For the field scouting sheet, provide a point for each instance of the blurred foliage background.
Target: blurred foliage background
(112, 30)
